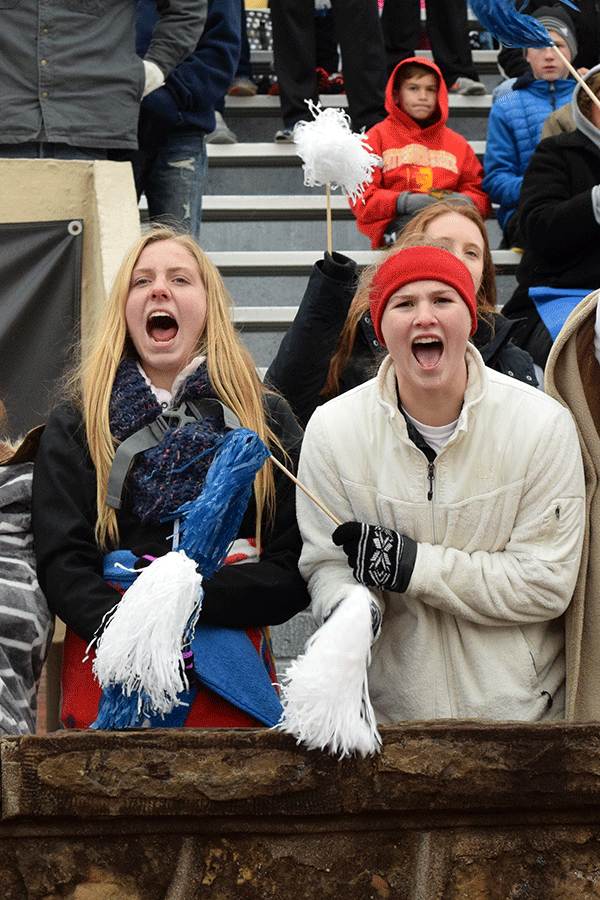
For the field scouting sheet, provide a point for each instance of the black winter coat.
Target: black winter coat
(560, 231)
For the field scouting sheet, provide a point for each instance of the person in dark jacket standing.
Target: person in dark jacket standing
(70, 79)
(294, 60)
(170, 165)
(559, 217)
(448, 32)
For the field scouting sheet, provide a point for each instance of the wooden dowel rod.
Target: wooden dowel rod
(306, 490)
(576, 75)
(329, 238)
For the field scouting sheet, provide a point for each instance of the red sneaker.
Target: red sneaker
(329, 84)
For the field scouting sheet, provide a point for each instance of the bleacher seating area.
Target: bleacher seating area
(265, 229)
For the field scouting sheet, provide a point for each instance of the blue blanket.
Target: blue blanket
(225, 660)
(555, 305)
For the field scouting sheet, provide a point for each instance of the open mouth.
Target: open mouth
(427, 352)
(161, 327)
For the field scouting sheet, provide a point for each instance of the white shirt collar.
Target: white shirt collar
(164, 397)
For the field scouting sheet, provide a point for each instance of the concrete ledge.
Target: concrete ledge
(101, 193)
(425, 768)
(446, 811)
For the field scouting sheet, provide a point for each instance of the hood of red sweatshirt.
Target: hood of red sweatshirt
(396, 113)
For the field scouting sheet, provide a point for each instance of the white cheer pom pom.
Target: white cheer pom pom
(332, 153)
(325, 694)
(141, 645)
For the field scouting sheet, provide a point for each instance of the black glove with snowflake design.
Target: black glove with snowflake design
(379, 557)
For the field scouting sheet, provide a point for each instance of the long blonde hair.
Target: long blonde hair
(230, 368)
(413, 232)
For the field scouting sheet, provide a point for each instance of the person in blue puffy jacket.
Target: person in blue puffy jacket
(517, 117)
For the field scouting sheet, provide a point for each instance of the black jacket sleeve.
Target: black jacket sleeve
(301, 364)
(70, 564)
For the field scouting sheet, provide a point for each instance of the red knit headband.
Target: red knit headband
(420, 264)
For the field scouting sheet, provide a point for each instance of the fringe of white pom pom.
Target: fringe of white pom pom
(141, 645)
(324, 693)
(332, 153)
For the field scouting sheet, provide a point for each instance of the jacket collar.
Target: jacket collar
(541, 86)
(477, 386)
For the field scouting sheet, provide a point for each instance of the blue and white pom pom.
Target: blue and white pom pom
(139, 652)
(140, 647)
(510, 27)
(332, 153)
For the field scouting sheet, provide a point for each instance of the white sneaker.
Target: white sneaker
(284, 136)
(467, 87)
(222, 133)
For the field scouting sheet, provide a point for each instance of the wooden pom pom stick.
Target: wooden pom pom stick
(576, 75)
(306, 490)
(329, 237)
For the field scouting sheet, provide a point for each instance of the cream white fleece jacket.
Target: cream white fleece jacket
(479, 631)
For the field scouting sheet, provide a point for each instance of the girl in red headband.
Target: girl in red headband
(461, 493)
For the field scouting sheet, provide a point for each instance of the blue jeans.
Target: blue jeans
(244, 69)
(49, 150)
(172, 178)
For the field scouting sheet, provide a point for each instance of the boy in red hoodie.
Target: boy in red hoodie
(423, 160)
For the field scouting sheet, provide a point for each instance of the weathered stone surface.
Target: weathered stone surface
(445, 812)
(230, 772)
(150, 772)
(560, 864)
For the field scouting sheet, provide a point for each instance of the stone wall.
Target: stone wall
(445, 812)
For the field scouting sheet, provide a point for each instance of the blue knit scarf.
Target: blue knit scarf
(173, 472)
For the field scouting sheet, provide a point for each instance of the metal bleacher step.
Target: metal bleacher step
(485, 61)
(272, 207)
(263, 318)
(269, 153)
(275, 207)
(266, 105)
(300, 262)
